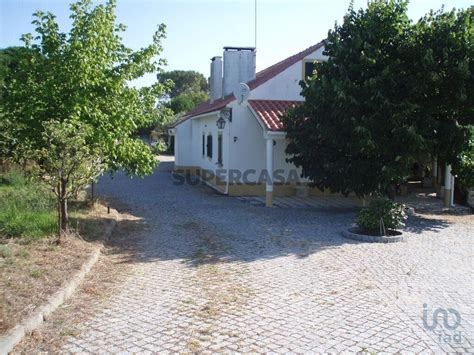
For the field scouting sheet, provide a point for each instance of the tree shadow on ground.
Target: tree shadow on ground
(419, 224)
(196, 243)
(197, 226)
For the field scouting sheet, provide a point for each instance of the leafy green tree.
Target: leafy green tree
(190, 89)
(364, 121)
(10, 59)
(187, 101)
(82, 79)
(68, 163)
(465, 167)
(440, 70)
(353, 134)
(184, 81)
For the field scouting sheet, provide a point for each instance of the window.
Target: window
(209, 146)
(308, 68)
(219, 149)
(203, 145)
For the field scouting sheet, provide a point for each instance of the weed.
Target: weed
(24, 253)
(36, 274)
(5, 251)
(194, 345)
(68, 333)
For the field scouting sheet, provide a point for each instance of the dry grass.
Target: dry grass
(31, 272)
(106, 276)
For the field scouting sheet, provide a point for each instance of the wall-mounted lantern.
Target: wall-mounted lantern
(226, 114)
(220, 123)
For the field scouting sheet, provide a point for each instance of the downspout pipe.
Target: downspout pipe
(226, 191)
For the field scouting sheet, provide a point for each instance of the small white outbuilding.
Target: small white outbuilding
(235, 142)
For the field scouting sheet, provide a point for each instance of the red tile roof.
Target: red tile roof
(261, 77)
(271, 111)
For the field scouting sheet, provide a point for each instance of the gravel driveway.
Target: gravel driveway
(217, 274)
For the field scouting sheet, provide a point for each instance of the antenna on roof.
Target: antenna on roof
(255, 24)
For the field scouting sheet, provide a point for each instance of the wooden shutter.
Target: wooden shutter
(209, 146)
(219, 149)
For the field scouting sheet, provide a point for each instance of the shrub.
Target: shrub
(381, 209)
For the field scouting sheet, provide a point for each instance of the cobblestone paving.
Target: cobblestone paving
(215, 274)
(322, 202)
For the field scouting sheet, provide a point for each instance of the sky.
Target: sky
(198, 29)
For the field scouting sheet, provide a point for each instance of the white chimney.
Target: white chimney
(239, 67)
(215, 81)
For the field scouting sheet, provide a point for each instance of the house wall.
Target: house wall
(285, 86)
(249, 150)
(207, 125)
(182, 152)
(199, 163)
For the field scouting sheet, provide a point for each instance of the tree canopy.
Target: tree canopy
(184, 81)
(440, 70)
(187, 101)
(390, 93)
(81, 79)
(10, 59)
(190, 89)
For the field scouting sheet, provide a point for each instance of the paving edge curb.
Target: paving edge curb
(370, 238)
(17, 333)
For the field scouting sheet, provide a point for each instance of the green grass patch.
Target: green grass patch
(27, 209)
(13, 178)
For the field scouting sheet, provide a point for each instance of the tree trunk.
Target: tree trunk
(64, 222)
(58, 207)
(64, 226)
(92, 202)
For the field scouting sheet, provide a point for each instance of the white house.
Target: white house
(233, 144)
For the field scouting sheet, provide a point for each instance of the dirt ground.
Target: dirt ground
(31, 271)
(106, 276)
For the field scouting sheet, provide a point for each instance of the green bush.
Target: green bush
(381, 209)
(27, 209)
